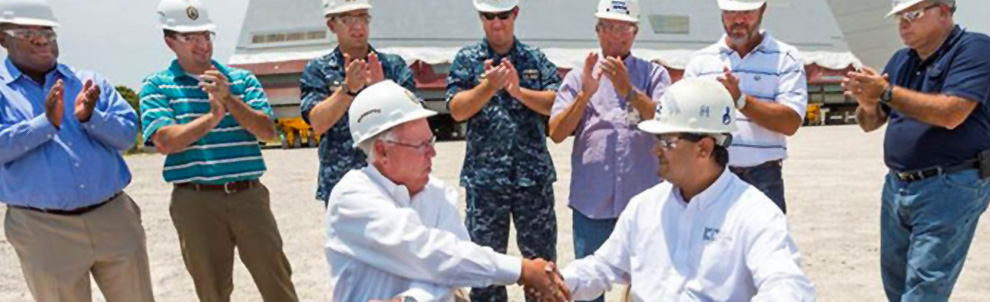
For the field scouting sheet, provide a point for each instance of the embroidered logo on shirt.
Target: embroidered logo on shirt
(531, 74)
(710, 234)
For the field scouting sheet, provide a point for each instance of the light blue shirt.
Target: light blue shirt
(74, 166)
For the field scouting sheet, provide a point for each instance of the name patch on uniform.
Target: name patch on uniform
(531, 74)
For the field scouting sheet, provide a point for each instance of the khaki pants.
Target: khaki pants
(58, 253)
(211, 223)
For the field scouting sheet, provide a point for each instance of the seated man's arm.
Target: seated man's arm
(367, 227)
(774, 260)
(592, 276)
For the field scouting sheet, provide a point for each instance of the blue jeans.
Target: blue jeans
(589, 235)
(926, 228)
(767, 178)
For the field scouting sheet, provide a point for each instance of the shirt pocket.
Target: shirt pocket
(763, 86)
(935, 77)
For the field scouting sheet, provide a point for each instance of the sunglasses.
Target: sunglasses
(501, 16)
(915, 14)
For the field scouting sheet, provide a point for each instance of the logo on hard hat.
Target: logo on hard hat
(367, 113)
(619, 5)
(727, 116)
(192, 13)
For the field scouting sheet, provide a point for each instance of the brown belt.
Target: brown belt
(229, 188)
(72, 212)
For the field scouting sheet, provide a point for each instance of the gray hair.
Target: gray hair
(368, 145)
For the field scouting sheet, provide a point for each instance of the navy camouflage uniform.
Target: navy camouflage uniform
(507, 168)
(320, 78)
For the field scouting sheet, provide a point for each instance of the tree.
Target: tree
(135, 101)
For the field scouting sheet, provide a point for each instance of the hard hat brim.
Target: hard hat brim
(488, 8)
(617, 17)
(902, 7)
(655, 127)
(728, 5)
(347, 8)
(30, 22)
(191, 29)
(420, 113)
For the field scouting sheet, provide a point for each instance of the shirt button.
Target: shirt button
(77, 165)
(82, 186)
(49, 136)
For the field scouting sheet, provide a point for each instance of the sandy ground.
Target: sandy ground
(833, 184)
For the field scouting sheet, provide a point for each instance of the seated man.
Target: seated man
(704, 235)
(393, 231)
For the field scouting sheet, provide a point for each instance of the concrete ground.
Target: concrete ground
(833, 181)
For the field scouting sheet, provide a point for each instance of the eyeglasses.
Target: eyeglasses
(206, 36)
(30, 34)
(911, 16)
(501, 16)
(421, 148)
(351, 20)
(666, 142)
(616, 28)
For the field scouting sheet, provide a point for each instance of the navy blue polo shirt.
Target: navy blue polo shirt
(961, 68)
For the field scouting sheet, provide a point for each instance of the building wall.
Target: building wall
(873, 38)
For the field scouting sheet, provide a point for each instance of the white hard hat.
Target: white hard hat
(622, 10)
(495, 6)
(693, 106)
(27, 12)
(184, 16)
(382, 106)
(900, 5)
(740, 5)
(331, 7)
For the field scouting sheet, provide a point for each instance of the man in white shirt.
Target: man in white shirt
(393, 232)
(704, 235)
(766, 79)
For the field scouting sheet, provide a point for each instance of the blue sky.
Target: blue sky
(121, 38)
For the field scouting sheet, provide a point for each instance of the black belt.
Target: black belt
(73, 212)
(229, 188)
(916, 175)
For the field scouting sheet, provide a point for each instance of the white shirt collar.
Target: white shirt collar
(398, 192)
(765, 44)
(710, 195)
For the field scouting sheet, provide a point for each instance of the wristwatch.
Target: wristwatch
(347, 90)
(887, 95)
(408, 299)
(741, 101)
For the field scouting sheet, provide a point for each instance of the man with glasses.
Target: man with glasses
(704, 234)
(393, 232)
(330, 83)
(62, 176)
(766, 79)
(934, 96)
(207, 118)
(601, 103)
(504, 90)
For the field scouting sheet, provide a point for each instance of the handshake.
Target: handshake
(542, 281)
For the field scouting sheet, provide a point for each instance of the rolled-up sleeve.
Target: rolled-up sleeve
(461, 76)
(567, 92)
(314, 88)
(365, 225)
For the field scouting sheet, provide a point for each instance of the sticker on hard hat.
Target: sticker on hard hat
(705, 111)
(619, 5)
(727, 116)
(192, 13)
(367, 113)
(412, 97)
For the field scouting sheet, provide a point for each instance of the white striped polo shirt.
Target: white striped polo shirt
(772, 72)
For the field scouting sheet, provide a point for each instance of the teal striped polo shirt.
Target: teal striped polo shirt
(228, 152)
